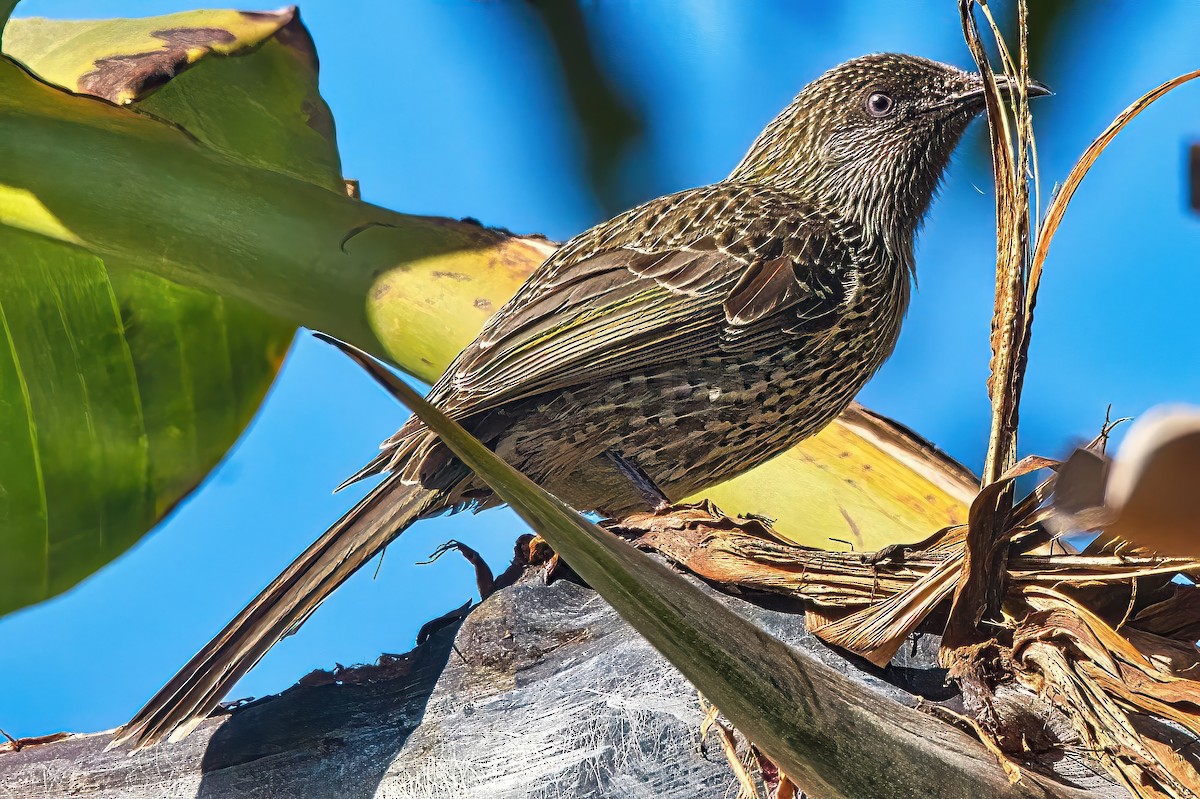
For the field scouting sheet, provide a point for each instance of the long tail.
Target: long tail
(283, 605)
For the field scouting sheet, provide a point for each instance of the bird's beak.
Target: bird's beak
(1032, 89)
(973, 97)
(1035, 88)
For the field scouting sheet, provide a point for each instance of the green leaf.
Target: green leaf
(6, 9)
(831, 735)
(120, 389)
(118, 393)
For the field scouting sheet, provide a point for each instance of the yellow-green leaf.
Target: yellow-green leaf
(118, 393)
(863, 482)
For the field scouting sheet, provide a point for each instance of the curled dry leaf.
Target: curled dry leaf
(1106, 639)
(1149, 495)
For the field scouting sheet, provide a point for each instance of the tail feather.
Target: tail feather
(377, 465)
(191, 695)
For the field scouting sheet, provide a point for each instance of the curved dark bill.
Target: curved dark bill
(1035, 88)
(975, 95)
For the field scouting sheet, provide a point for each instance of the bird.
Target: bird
(664, 351)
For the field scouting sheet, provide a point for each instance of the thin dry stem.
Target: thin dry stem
(725, 736)
(1010, 158)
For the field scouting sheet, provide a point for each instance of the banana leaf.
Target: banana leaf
(162, 237)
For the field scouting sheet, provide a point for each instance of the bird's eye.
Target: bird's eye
(880, 104)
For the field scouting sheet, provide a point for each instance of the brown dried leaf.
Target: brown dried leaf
(1177, 617)
(1100, 677)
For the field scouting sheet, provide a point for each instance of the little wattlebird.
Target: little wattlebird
(663, 351)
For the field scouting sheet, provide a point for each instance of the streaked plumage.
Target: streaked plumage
(695, 336)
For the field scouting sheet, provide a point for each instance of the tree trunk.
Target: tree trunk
(542, 691)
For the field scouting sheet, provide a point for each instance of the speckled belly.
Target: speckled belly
(689, 426)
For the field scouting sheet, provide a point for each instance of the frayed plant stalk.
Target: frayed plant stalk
(1019, 268)
(980, 585)
(1011, 131)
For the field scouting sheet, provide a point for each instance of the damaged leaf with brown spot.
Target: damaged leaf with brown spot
(122, 60)
(255, 98)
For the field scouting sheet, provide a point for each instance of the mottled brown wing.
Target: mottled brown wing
(801, 290)
(626, 310)
(610, 303)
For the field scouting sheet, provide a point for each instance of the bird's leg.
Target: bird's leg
(641, 481)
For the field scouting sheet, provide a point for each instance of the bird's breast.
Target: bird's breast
(693, 424)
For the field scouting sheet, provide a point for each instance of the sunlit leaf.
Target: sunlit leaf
(261, 107)
(862, 483)
(120, 389)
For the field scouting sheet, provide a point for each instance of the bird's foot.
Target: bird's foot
(892, 553)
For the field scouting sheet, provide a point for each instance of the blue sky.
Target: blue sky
(452, 107)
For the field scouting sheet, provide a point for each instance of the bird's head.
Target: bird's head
(871, 138)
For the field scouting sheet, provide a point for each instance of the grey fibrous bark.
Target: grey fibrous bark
(549, 694)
